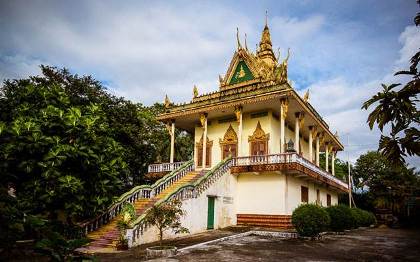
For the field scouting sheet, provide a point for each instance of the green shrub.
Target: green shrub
(362, 218)
(310, 220)
(341, 217)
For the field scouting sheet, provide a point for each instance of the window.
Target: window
(199, 148)
(258, 148)
(229, 150)
(328, 200)
(304, 194)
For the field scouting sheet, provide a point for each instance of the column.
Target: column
(283, 115)
(317, 151)
(297, 138)
(333, 162)
(172, 141)
(311, 128)
(326, 156)
(203, 119)
(238, 113)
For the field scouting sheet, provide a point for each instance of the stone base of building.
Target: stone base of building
(269, 221)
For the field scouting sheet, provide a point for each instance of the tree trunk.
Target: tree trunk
(160, 236)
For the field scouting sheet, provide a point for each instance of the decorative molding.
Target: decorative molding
(284, 104)
(238, 112)
(200, 143)
(230, 137)
(259, 134)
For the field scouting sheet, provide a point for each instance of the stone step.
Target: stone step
(275, 221)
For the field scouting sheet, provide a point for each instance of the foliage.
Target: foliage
(396, 106)
(128, 214)
(11, 220)
(167, 216)
(362, 218)
(383, 184)
(68, 147)
(310, 220)
(341, 217)
(57, 247)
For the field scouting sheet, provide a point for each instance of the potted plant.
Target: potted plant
(165, 216)
(127, 215)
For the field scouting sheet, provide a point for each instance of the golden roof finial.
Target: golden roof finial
(246, 46)
(167, 101)
(195, 91)
(306, 96)
(278, 54)
(237, 39)
(266, 18)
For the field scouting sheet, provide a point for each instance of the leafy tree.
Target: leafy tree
(383, 184)
(396, 106)
(167, 216)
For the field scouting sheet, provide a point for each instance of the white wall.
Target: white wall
(260, 193)
(195, 220)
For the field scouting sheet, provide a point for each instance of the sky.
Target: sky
(340, 50)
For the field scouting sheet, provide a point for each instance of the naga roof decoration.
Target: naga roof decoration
(248, 68)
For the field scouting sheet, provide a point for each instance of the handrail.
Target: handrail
(190, 190)
(142, 191)
(164, 167)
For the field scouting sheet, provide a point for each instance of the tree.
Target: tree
(383, 184)
(167, 216)
(396, 106)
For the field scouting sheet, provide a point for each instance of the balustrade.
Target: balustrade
(285, 158)
(164, 167)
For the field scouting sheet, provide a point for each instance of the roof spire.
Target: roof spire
(266, 18)
(265, 51)
(246, 46)
(237, 39)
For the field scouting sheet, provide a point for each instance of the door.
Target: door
(210, 213)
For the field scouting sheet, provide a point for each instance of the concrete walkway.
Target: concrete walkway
(359, 245)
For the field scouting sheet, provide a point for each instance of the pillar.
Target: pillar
(333, 162)
(297, 138)
(238, 113)
(311, 128)
(172, 141)
(317, 151)
(283, 115)
(326, 156)
(204, 123)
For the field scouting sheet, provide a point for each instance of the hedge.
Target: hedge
(341, 218)
(309, 220)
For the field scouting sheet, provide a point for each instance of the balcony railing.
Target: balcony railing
(164, 167)
(286, 158)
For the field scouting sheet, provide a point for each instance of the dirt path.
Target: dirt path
(359, 245)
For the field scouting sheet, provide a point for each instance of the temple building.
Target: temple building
(257, 147)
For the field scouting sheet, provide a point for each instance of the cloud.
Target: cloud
(144, 50)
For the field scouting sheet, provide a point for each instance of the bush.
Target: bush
(341, 217)
(310, 220)
(362, 218)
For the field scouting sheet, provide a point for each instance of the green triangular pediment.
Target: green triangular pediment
(241, 73)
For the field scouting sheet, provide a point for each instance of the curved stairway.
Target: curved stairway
(106, 237)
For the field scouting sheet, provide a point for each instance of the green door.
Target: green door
(210, 213)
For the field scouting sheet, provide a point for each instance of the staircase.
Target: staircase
(106, 237)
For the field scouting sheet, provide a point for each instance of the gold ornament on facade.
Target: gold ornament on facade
(203, 118)
(238, 112)
(230, 137)
(314, 131)
(259, 134)
(284, 103)
(306, 96)
(195, 91)
(241, 73)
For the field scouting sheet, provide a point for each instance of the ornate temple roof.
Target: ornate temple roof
(251, 77)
